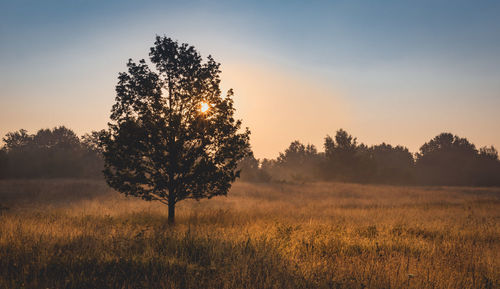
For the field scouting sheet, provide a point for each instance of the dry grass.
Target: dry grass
(80, 234)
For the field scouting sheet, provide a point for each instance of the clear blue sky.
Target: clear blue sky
(394, 71)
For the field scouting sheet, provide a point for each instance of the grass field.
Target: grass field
(80, 234)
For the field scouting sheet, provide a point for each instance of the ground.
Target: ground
(81, 234)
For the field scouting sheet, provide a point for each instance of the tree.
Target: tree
(3, 163)
(487, 168)
(51, 153)
(172, 136)
(488, 153)
(298, 162)
(447, 159)
(92, 154)
(342, 156)
(342, 149)
(393, 164)
(294, 155)
(58, 152)
(251, 171)
(17, 140)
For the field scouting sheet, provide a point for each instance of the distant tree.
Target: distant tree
(311, 150)
(329, 147)
(58, 151)
(268, 166)
(298, 162)
(16, 159)
(487, 168)
(393, 164)
(172, 135)
(251, 170)
(3, 163)
(61, 138)
(341, 150)
(346, 144)
(92, 154)
(17, 140)
(344, 158)
(446, 159)
(49, 153)
(446, 143)
(92, 141)
(488, 153)
(294, 155)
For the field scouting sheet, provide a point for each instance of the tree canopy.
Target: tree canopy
(446, 159)
(49, 153)
(172, 135)
(450, 159)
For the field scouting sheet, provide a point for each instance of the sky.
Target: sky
(398, 72)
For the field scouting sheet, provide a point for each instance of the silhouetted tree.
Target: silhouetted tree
(393, 164)
(55, 152)
(298, 162)
(17, 160)
(251, 171)
(91, 141)
(345, 159)
(341, 150)
(490, 153)
(57, 138)
(3, 163)
(92, 153)
(172, 136)
(345, 144)
(294, 155)
(58, 151)
(17, 140)
(487, 169)
(268, 166)
(446, 159)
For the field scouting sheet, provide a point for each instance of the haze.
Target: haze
(393, 71)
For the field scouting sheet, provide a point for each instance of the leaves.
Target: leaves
(159, 146)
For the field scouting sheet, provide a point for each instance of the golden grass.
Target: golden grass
(80, 234)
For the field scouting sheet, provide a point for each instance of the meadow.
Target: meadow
(81, 234)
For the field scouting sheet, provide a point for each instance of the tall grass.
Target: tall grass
(80, 234)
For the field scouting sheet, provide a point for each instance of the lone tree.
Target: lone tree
(172, 136)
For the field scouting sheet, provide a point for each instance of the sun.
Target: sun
(204, 107)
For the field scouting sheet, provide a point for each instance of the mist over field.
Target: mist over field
(298, 221)
(66, 233)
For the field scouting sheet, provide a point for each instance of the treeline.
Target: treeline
(49, 153)
(445, 160)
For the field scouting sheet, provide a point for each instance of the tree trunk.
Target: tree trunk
(171, 213)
